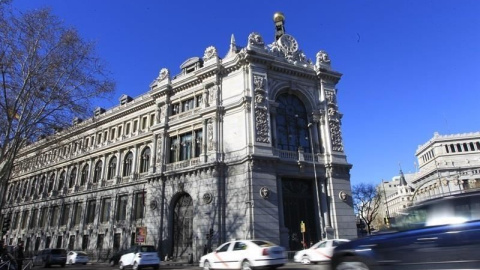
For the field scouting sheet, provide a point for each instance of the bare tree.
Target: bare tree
(366, 203)
(48, 76)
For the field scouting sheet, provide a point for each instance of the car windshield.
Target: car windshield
(147, 249)
(263, 243)
(59, 251)
(81, 253)
(439, 213)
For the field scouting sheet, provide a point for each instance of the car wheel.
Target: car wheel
(111, 263)
(351, 263)
(70, 261)
(305, 260)
(156, 267)
(121, 266)
(45, 264)
(246, 265)
(206, 265)
(135, 266)
(63, 265)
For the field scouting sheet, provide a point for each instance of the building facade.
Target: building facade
(396, 196)
(447, 164)
(245, 146)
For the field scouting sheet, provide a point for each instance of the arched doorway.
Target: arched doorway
(182, 227)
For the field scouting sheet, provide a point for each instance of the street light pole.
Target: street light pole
(322, 227)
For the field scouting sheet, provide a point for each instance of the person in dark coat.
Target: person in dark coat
(19, 256)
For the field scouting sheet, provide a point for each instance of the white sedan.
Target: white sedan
(320, 252)
(76, 257)
(245, 255)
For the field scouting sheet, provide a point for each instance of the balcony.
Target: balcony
(183, 164)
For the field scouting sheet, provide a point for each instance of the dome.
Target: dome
(278, 17)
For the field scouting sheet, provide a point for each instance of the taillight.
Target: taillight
(265, 252)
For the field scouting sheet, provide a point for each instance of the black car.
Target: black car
(116, 257)
(51, 256)
(436, 234)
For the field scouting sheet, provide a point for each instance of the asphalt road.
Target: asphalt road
(104, 266)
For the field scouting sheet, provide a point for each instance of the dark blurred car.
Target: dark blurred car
(116, 257)
(436, 234)
(51, 256)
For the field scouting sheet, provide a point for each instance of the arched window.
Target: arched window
(42, 185)
(24, 189)
(17, 190)
(97, 175)
(112, 168)
(61, 180)
(145, 160)
(84, 176)
(292, 124)
(33, 186)
(51, 182)
(73, 177)
(127, 164)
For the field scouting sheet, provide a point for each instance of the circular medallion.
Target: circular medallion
(153, 204)
(342, 195)
(207, 198)
(288, 43)
(264, 192)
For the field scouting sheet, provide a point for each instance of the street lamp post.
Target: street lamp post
(322, 227)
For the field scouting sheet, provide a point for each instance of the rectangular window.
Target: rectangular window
(91, 211)
(174, 149)
(198, 142)
(105, 215)
(127, 129)
(43, 217)
(175, 109)
(186, 146)
(144, 123)
(65, 214)
(33, 220)
(25, 219)
(112, 134)
(119, 134)
(135, 125)
(187, 105)
(55, 215)
(139, 205)
(100, 238)
(152, 119)
(86, 142)
(122, 208)
(85, 241)
(99, 138)
(198, 101)
(78, 213)
(15, 222)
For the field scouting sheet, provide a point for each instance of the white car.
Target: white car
(245, 255)
(320, 252)
(76, 257)
(138, 257)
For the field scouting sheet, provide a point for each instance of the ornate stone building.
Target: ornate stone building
(244, 146)
(448, 164)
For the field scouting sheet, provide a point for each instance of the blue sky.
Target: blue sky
(410, 66)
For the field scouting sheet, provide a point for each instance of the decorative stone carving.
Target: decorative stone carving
(264, 192)
(207, 198)
(322, 57)
(334, 121)
(210, 135)
(159, 149)
(210, 52)
(261, 110)
(164, 73)
(287, 47)
(255, 39)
